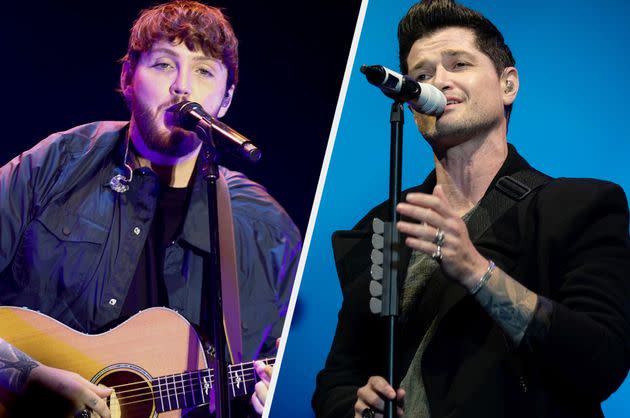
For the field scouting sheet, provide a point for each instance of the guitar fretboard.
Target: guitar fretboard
(191, 389)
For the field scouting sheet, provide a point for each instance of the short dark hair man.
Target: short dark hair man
(109, 218)
(515, 295)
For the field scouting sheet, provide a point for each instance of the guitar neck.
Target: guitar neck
(190, 389)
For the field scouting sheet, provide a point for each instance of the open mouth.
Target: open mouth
(452, 101)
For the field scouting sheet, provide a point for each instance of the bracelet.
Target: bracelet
(484, 279)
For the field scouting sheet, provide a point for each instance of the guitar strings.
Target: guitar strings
(189, 386)
(232, 369)
(169, 397)
(182, 381)
(186, 390)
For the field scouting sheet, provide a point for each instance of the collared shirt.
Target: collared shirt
(69, 244)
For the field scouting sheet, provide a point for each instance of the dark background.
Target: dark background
(60, 69)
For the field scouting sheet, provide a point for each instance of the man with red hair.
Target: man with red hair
(109, 218)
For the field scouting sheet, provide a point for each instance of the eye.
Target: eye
(205, 72)
(162, 66)
(423, 77)
(461, 64)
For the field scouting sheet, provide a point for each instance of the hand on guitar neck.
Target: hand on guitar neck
(260, 396)
(264, 372)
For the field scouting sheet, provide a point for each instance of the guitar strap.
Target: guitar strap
(229, 274)
(507, 192)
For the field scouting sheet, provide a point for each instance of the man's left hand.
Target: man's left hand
(459, 259)
(260, 396)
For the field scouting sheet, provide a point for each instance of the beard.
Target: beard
(443, 136)
(174, 142)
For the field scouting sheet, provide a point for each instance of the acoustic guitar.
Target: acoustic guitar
(154, 361)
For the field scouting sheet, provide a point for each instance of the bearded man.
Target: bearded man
(110, 218)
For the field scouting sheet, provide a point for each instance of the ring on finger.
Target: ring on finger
(368, 413)
(439, 237)
(83, 414)
(437, 255)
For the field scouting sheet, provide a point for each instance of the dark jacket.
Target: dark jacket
(69, 244)
(568, 242)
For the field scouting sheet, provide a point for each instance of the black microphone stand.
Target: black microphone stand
(401, 89)
(211, 296)
(390, 278)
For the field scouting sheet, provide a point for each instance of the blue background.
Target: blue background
(569, 120)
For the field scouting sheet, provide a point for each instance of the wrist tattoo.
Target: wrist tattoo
(509, 303)
(15, 366)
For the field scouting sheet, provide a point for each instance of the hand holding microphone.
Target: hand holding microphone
(423, 98)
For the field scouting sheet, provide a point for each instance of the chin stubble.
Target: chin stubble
(174, 143)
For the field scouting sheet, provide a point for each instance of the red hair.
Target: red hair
(195, 24)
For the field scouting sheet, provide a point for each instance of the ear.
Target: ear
(126, 80)
(226, 102)
(509, 85)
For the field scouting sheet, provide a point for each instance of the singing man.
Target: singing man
(515, 284)
(109, 218)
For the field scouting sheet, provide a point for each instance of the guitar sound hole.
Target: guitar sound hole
(132, 396)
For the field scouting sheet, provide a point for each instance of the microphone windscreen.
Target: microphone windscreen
(431, 100)
(186, 114)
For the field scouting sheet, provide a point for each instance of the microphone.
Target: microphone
(423, 97)
(192, 117)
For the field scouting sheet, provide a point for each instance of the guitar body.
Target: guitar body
(155, 342)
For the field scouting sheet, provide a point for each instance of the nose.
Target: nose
(442, 79)
(181, 84)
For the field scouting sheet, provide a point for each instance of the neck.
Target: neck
(172, 171)
(466, 171)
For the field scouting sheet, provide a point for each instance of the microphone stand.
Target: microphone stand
(390, 278)
(211, 296)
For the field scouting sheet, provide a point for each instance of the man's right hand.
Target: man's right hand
(77, 391)
(373, 396)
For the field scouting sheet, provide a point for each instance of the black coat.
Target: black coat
(567, 241)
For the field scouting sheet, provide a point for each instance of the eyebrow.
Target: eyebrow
(446, 53)
(174, 54)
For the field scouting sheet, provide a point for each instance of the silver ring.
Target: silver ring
(437, 255)
(368, 413)
(439, 238)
